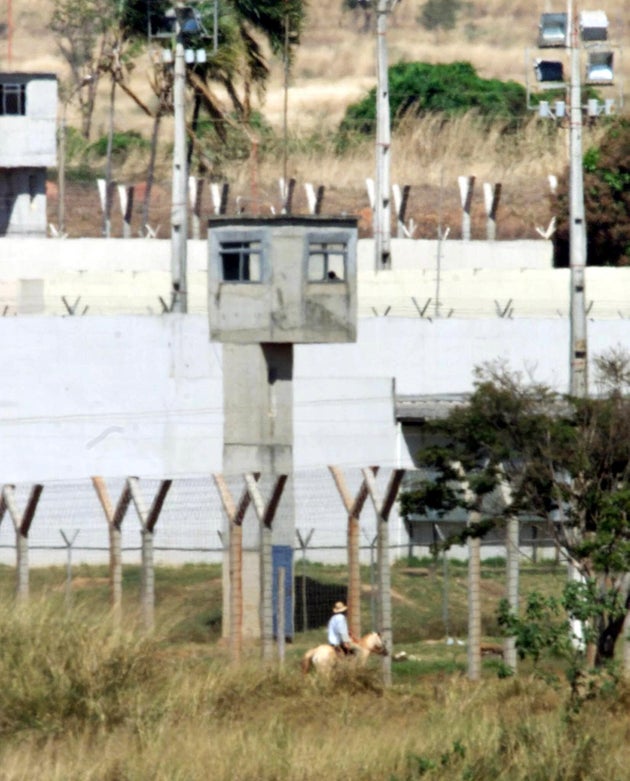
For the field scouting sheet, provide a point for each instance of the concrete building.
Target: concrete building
(28, 124)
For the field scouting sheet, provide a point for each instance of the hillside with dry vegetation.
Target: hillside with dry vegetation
(335, 66)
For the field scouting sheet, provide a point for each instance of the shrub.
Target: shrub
(419, 88)
(58, 672)
(122, 143)
(606, 201)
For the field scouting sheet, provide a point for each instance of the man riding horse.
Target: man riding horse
(338, 634)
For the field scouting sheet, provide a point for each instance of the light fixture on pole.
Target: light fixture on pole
(187, 24)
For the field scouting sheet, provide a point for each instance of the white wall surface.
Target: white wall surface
(473, 279)
(123, 394)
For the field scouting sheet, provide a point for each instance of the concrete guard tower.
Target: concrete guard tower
(272, 283)
(28, 126)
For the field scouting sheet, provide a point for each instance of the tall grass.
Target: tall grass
(79, 701)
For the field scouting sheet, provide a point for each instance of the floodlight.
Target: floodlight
(594, 25)
(544, 112)
(609, 106)
(200, 56)
(592, 107)
(552, 30)
(599, 69)
(167, 56)
(560, 109)
(549, 70)
(189, 20)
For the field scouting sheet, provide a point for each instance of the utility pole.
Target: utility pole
(382, 200)
(179, 196)
(577, 220)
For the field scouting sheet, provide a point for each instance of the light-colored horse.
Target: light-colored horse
(324, 657)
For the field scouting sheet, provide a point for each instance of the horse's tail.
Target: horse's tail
(307, 661)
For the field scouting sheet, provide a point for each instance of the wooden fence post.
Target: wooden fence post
(353, 509)
(148, 520)
(235, 515)
(22, 524)
(114, 518)
(383, 508)
(266, 513)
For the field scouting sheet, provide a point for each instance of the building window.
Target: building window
(13, 99)
(327, 261)
(241, 261)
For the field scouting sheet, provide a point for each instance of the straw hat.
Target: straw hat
(339, 607)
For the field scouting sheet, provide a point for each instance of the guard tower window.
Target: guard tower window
(327, 261)
(241, 261)
(13, 99)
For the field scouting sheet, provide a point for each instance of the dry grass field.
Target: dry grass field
(334, 66)
(82, 701)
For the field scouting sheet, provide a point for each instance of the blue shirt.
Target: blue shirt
(338, 630)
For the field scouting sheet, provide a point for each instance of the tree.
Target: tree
(82, 29)
(566, 461)
(606, 201)
(418, 88)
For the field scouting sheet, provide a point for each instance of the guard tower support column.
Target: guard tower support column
(272, 283)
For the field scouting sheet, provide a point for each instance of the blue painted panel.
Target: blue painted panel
(282, 556)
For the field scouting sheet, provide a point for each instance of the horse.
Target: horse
(323, 657)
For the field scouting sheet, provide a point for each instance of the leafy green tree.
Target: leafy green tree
(418, 88)
(606, 201)
(566, 461)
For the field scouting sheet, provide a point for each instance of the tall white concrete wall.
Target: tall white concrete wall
(122, 394)
(476, 279)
